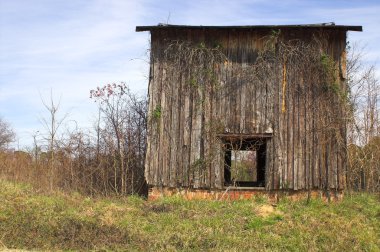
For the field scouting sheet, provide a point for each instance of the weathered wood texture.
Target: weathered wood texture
(185, 117)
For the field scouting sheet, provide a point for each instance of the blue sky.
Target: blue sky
(73, 46)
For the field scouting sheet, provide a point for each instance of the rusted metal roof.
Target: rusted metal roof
(330, 25)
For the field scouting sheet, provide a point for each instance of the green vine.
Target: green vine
(156, 114)
(198, 165)
(330, 71)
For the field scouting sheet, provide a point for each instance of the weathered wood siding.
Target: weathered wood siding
(180, 117)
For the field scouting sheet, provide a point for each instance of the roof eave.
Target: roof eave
(311, 26)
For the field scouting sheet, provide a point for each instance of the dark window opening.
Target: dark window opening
(244, 162)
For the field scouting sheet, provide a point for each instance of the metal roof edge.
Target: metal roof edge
(330, 25)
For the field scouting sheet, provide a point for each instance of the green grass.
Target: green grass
(36, 221)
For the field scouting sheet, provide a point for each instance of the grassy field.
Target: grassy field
(35, 221)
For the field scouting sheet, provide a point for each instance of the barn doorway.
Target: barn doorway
(244, 162)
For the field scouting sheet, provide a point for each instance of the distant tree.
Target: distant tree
(52, 124)
(7, 134)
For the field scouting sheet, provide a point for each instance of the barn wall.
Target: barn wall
(184, 121)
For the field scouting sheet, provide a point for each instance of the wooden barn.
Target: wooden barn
(240, 109)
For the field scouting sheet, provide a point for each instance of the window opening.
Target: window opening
(244, 164)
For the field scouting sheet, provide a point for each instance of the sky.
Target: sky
(66, 48)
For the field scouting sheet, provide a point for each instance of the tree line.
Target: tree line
(108, 159)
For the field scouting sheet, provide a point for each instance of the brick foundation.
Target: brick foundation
(241, 193)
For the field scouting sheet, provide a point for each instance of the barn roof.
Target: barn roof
(330, 25)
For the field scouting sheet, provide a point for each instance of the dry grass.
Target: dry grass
(31, 220)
